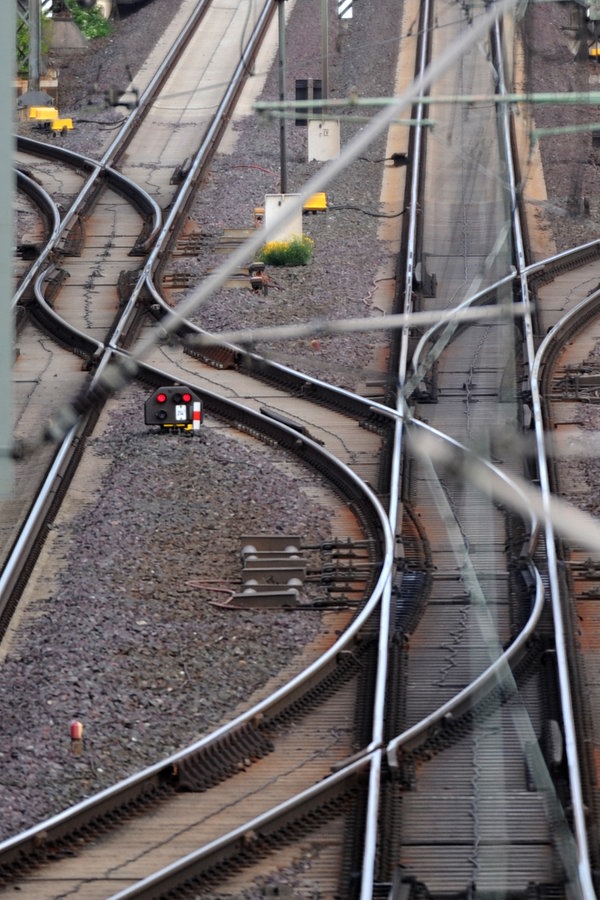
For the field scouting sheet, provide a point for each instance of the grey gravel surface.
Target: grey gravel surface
(130, 639)
(347, 258)
(571, 159)
(127, 640)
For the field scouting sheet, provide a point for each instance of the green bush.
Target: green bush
(90, 22)
(295, 252)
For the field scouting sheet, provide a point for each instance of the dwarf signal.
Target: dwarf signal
(174, 407)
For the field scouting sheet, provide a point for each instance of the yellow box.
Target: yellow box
(316, 203)
(43, 113)
(62, 125)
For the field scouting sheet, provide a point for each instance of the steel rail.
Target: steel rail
(563, 329)
(124, 135)
(399, 418)
(320, 180)
(499, 669)
(42, 199)
(120, 183)
(177, 319)
(206, 149)
(553, 262)
(372, 813)
(67, 334)
(365, 614)
(173, 876)
(60, 425)
(581, 880)
(51, 215)
(24, 844)
(173, 324)
(483, 474)
(571, 743)
(13, 569)
(201, 159)
(314, 184)
(77, 161)
(488, 474)
(97, 169)
(482, 683)
(550, 265)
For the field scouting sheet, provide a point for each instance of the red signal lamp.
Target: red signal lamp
(181, 397)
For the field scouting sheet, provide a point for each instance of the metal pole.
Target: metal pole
(8, 31)
(35, 45)
(282, 135)
(325, 49)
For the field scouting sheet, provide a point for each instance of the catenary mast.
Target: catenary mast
(7, 238)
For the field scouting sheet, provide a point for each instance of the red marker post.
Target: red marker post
(76, 737)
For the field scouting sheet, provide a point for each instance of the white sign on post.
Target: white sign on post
(274, 207)
(323, 139)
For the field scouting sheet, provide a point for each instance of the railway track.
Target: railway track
(454, 632)
(565, 372)
(114, 258)
(446, 755)
(101, 335)
(485, 589)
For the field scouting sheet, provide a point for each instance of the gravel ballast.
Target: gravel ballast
(125, 634)
(124, 638)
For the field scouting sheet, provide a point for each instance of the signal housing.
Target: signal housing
(174, 407)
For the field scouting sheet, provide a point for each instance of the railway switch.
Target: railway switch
(174, 407)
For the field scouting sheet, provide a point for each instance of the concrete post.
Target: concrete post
(35, 45)
(282, 76)
(7, 237)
